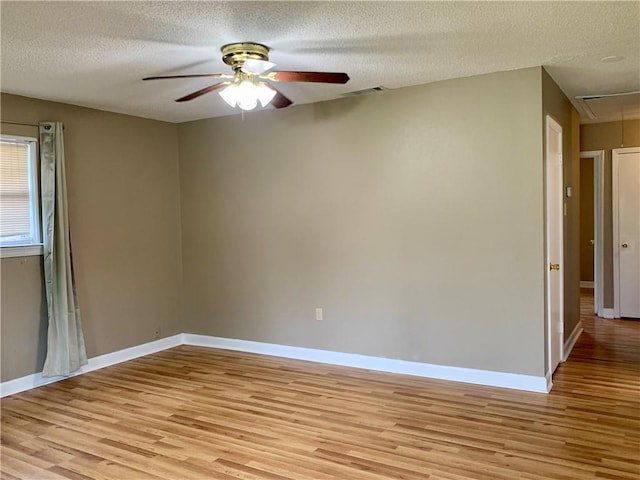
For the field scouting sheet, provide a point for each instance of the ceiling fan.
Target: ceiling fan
(252, 78)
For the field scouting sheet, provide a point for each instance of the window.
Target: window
(19, 199)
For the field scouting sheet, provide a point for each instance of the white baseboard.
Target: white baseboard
(608, 313)
(571, 341)
(457, 374)
(586, 284)
(37, 380)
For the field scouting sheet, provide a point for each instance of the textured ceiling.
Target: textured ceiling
(96, 53)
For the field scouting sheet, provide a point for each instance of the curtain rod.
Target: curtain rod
(20, 123)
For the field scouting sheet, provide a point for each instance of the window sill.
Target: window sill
(21, 251)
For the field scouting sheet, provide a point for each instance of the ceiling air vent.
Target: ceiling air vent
(366, 91)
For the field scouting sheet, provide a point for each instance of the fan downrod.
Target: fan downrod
(235, 54)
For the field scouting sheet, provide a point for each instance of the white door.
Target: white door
(554, 194)
(626, 174)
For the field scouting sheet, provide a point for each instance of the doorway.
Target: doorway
(592, 237)
(554, 200)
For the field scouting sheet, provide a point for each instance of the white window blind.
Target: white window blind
(19, 218)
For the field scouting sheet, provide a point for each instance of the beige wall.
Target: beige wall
(608, 136)
(413, 217)
(23, 310)
(587, 234)
(124, 215)
(556, 104)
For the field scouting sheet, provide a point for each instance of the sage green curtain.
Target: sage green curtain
(65, 341)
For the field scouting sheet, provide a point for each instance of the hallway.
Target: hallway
(607, 340)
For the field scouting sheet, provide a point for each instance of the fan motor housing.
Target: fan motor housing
(235, 54)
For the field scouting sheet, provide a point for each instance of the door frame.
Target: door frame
(552, 125)
(598, 228)
(615, 159)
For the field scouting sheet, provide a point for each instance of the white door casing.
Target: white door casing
(554, 200)
(626, 231)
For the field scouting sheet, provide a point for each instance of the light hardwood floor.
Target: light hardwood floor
(193, 412)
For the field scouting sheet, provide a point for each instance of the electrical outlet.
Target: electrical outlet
(319, 314)
(156, 332)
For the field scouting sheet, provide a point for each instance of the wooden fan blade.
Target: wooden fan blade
(212, 75)
(321, 77)
(280, 100)
(208, 89)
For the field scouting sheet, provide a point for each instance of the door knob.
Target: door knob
(554, 266)
(625, 245)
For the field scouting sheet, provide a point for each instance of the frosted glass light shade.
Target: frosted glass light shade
(265, 94)
(247, 98)
(230, 94)
(246, 94)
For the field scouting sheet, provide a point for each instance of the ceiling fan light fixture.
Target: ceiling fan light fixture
(246, 94)
(252, 78)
